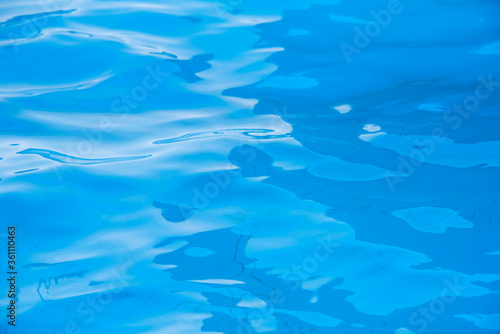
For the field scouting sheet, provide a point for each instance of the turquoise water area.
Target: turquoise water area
(239, 166)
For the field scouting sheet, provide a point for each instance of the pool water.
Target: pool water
(237, 166)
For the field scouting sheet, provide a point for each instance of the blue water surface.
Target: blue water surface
(237, 166)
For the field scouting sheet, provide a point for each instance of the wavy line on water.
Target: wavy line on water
(34, 90)
(231, 133)
(68, 159)
(24, 19)
(26, 171)
(15, 32)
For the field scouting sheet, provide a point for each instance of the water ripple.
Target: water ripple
(68, 159)
(327, 166)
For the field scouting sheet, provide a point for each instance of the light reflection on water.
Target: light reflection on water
(298, 188)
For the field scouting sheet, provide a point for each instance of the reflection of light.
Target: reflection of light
(370, 136)
(343, 108)
(252, 303)
(371, 128)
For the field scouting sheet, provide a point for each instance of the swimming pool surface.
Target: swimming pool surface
(238, 166)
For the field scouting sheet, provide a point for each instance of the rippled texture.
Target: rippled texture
(241, 166)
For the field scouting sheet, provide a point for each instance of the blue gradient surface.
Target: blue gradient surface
(241, 166)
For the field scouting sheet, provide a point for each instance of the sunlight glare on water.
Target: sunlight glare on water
(236, 166)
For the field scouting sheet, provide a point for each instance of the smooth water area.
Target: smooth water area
(241, 166)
